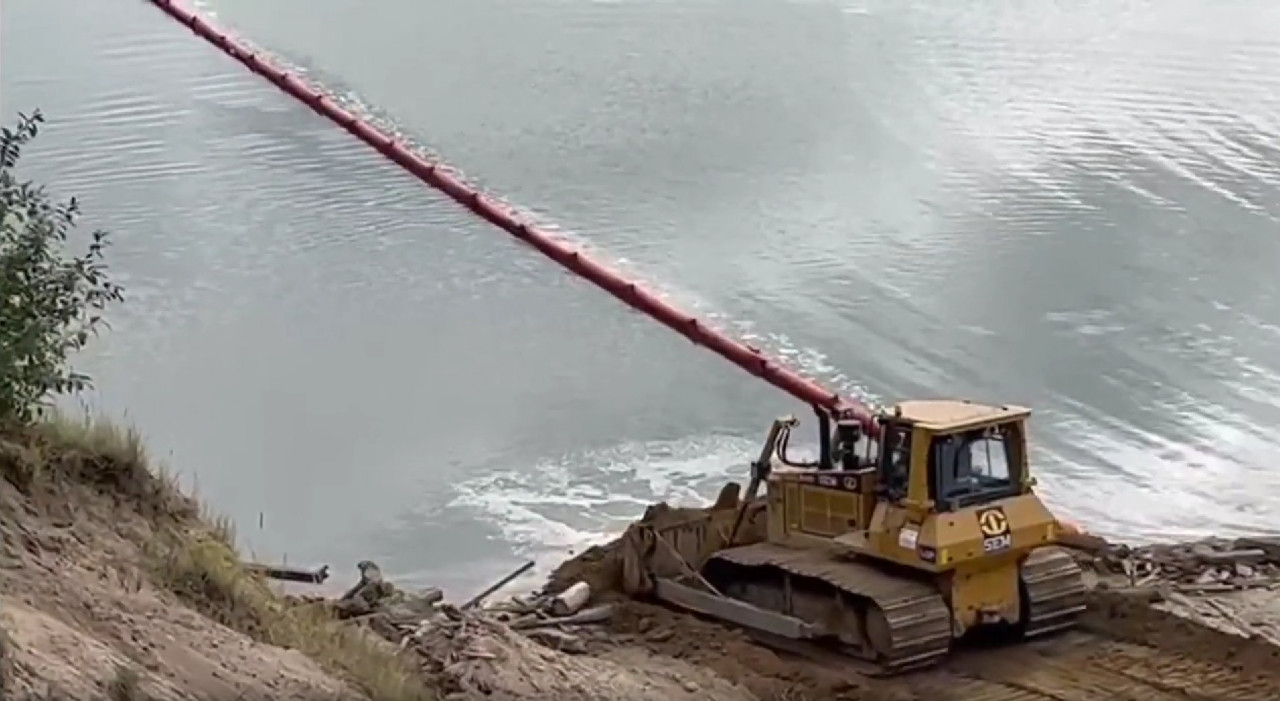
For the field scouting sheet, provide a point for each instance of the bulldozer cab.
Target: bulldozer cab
(952, 488)
(945, 485)
(945, 456)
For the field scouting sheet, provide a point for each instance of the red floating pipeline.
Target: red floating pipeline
(610, 280)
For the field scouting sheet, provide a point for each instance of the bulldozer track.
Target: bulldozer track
(1055, 591)
(913, 622)
(1072, 665)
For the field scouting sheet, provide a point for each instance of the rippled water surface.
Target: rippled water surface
(1074, 206)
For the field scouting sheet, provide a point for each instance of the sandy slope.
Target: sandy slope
(77, 606)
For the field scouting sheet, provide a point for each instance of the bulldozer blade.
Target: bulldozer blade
(731, 610)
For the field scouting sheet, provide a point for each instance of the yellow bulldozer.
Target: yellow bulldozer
(888, 547)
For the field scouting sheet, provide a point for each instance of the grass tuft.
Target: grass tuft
(97, 453)
(192, 552)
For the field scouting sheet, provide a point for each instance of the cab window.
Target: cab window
(974, 467)
(988, 463)
(895, 461)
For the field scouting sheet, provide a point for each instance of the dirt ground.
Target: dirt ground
(1126, 649)
(482, 659)
(1191, 631)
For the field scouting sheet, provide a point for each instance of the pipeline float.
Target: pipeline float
(436, 175)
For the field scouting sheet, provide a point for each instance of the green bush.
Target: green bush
(51, 302)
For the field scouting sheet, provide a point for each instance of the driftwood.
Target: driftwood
(370, 578)
(478, 598)
(1269, 545)
(289, 574)
(595, 614)
(1225, 556)
(433, 595)
(571, 600)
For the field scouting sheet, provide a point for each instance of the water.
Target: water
(1069, 206)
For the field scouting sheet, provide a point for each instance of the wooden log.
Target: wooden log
(571, 600)
(433, 595)
(1204, 587)
(289, 574)
(478, 598)
(1223, 556)
(1268, 544)
(595, 614)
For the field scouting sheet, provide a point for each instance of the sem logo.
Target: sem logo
(997, 544)
(995, 530)
(993, 522)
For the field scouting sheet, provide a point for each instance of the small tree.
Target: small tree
(50, 302)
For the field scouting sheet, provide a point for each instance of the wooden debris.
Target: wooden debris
(571, 600)
(1212, 565)
(478, 598)
(442, 635)
(434, 595)
(1251, 555)
(595, 614)
(290, 574)
(1269, 545)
